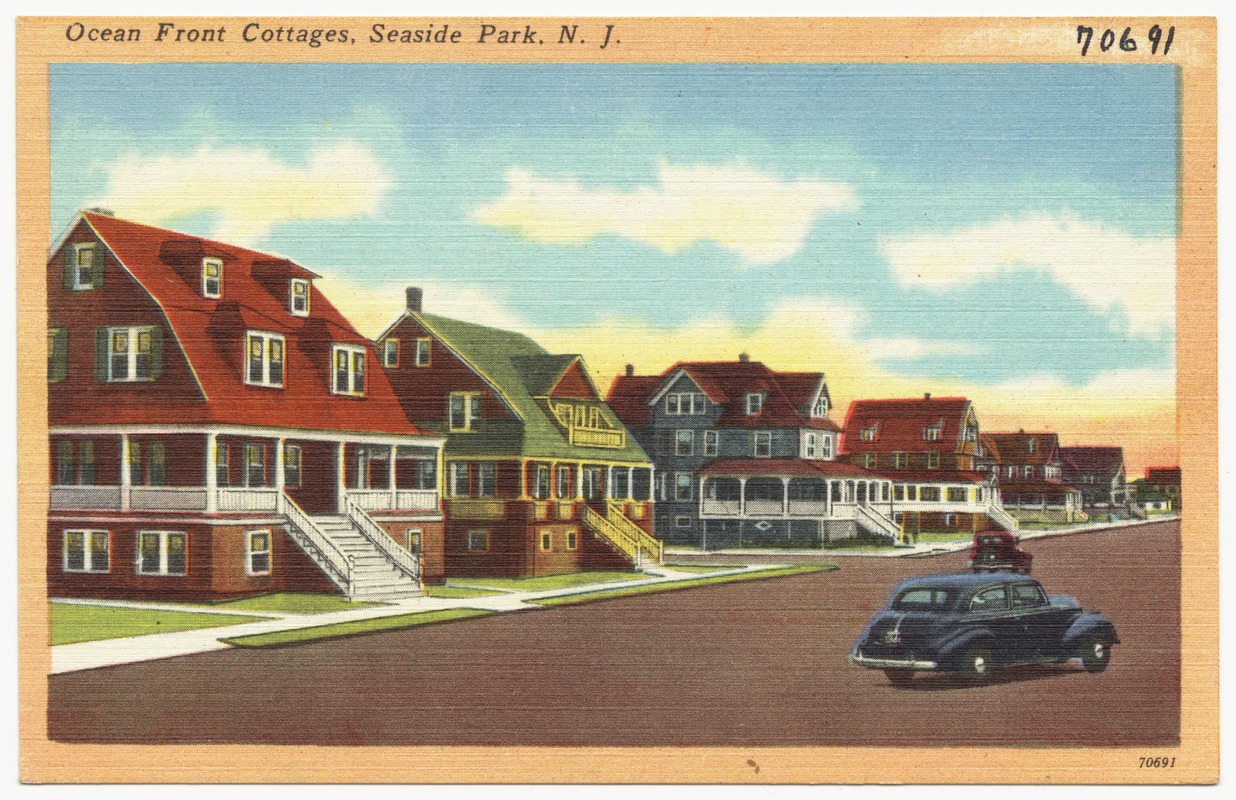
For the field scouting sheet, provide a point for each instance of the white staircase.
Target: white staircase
(1001, 517)
(373, 575)
(876, 523)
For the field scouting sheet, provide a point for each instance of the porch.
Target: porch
(789, 497)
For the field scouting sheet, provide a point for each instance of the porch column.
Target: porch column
(701, 512)
(523, 479)
(212, 473)
(652, 483)
(126, 474)
(785, 497)
(341, 477)
(828, 498)
(579, 483)
(280, 480)
(630, 483)
(742, 497)
(390, 478)
(440, 458)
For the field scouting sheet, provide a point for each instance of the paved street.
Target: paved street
(758, 663)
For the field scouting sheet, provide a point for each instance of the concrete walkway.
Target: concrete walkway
(110, 652)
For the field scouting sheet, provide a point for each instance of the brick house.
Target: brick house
(218, 429)
(1029, 476)
(927, 448)
(1098, 472)
(540, 475)
(746, 455)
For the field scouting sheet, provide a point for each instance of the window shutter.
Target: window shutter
(100, 355)
(156, 352)
(60, 355)
(96, 263)
(67, 262)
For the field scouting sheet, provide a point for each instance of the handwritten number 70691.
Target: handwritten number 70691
(1107, 39)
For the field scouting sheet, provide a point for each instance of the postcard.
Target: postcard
(617, 400)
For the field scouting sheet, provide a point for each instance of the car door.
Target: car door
(989, 607)
(1043, 625)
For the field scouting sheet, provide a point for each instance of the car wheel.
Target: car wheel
(1095, 653)
(976, 665)
(899, 677)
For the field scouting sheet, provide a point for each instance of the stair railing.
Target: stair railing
(402, 559)
(645, 541)
(610, 533)
(310, 538)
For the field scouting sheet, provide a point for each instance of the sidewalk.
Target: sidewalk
(111, 652)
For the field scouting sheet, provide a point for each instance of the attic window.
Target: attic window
(264, 359)
(390, 352)
(212, 278)
(421, 357)
(1029, 445)
(348, 370)
(85, 267)
(755, 402)
(298, 302)
(820, 409)
(869, 433)
(932, 432)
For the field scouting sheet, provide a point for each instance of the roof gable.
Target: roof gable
(900, 424)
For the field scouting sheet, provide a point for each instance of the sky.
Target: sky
(1002, 232)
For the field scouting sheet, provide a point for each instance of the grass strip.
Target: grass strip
(703, 567)
(294, 603)
(354, 628)
(71, 623)
(565, 581)
(455, 592)
(672, 586)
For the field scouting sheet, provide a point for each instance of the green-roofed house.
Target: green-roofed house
(540, 476)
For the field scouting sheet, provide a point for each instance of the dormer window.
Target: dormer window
(264, 359)
(820, 409)
(212, 278)
(463, 410)
(390, 352)
(85, 268)
(348, 372)
(932, 432)
(298, 302)
(869, 433)
(1029, 445)
(755, 402)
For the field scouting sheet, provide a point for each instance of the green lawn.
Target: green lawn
(932, 537)
(551, 581)
(293, 603)
(649, 588)
(703, 567)
(455, 592)
(282, 638)
(73, 623)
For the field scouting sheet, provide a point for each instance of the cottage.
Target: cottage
(746, 455)
(1029, 475)
(1098, 472)
(218, 429)
(540, 475)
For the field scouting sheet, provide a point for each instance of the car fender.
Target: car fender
(1089, 623)
(951, 649)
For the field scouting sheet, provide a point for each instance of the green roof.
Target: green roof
(522, 373)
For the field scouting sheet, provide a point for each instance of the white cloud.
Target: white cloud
(1106, 268)
(762, 219)
(905, 348)
(251, 189)
(371, 307)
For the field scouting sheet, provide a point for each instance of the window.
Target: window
(572, 539)
(1027, 595)
(221, 472)
(911, 492)
(412, 540)
(710, 443)
(264, 359)
(826, 442)
(463, 410)
(564, 482)
(129, 353)
(593, 483)
(884, 491)
(349, 371)
(869, 433)
(684, 443)
(156, 465)
(869, 460)
(459, 479)
(64, 463)
(486, 479)
(993, 599)
(933, 461)
(899, 460)
(950, 520)
(212, 278)
(754, 402)
(478, 540)
(421, 357)
(685, 403)
(1029, 445)
(956, 494)
(809, 447)
(426, 475)
(540, 483)
(546, 542)
(298, 297)
(682, 522)
(57, 354)
(160, 553)
(291, 465)
(257, 553)
(763, 444)
(85, 469)
(820, 409)
(932, 432)
(929, 494)
(86, 551)
(390, 353)
(899, 492)
(1010, 472)
(255, 465)
(86, 267)
(682, 486)
(1028, 472)
(135, 462)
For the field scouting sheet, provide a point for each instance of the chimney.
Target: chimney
(744, 358)
(926, 395)
(630, 370)
(414, 298)
(1021, 430)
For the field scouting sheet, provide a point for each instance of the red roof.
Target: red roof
(899, 425)
(1163, 476)
(785, 468)
(211, 335)
(1092, 459)
(787, 395)
(1010, 448)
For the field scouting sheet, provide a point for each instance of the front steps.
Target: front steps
(373, 576)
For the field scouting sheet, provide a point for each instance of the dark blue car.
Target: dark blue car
(971, 624)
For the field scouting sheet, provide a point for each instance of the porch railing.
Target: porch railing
(168, 498)
(400, 557)
(316, 544)
(398, 500)
(73, 498)
(250, 499)
(161, 498)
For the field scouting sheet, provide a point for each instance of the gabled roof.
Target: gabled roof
(900, 423)
(522, 373)
(1010, 448)
(151, 255)
(1163, 476)
(788, 396)
(1094, 460)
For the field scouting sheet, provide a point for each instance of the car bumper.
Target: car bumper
(858, 659)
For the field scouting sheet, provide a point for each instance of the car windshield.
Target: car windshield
(921, 600)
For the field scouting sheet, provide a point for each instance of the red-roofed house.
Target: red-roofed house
(217, 429)
(927, 447)
(1028, 472)
(1098, 472)
(745, 455)
(1164, 481)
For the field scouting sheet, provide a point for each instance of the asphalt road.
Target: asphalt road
(755, 663)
